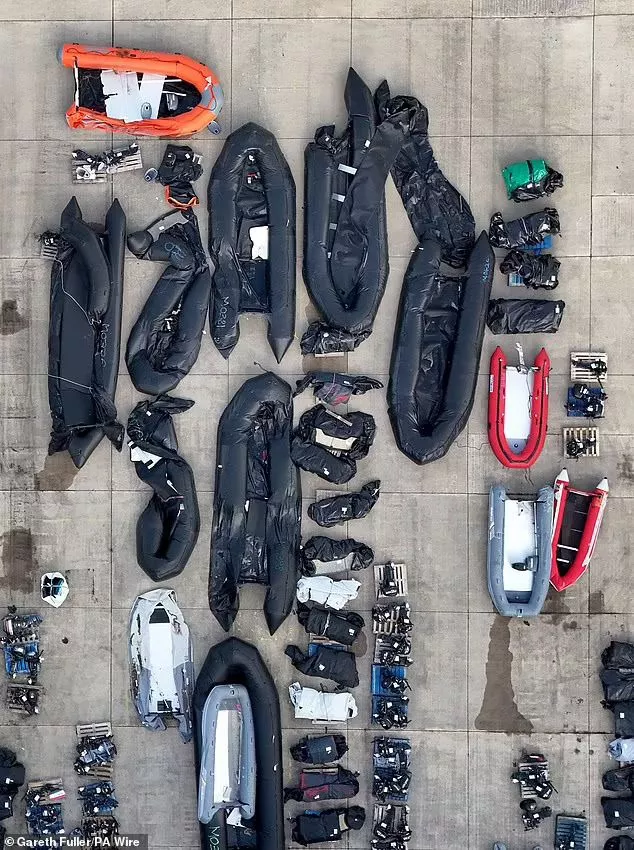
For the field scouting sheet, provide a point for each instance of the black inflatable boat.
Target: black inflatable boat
(251, 199)
(255, 535)
(345, 236)
(167, 530)
(436, 350)
(85, 331)
(237, 663)
(165, 340)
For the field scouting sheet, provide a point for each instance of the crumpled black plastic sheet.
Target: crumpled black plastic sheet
(524, 316)
(168, 528)
(619, 842)
(257, 502)
(618, 812)
(529, 230)
(336, 387)
(165, 341)
(325, 550)
(435, 208)
(338, 509)
(327, 825)
(320, 338)
(84, 333)
(618, 684)
(618, 654)
(341, 626)
(338, 466)
(251, 185)
(538, 271)
(319, 749)
(621, 779)
(339, 665)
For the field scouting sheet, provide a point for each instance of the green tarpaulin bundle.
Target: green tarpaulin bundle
(530, 179)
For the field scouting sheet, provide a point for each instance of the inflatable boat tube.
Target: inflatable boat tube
(251, 197)
(518, 409)
(239, 665)
(345, 234)
(255, 535)
(577, 520)
(161, 662)
(196, 91)
(519, 551)
(85, 332)
(436, 350)
(165, 340)
(167, 530)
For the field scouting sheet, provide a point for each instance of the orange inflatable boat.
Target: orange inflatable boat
(140, 92)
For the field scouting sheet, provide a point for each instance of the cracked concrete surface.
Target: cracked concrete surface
(503, 79)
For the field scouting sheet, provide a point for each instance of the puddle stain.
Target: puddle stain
(596, 604)
(11, 320)
(21, 570)
(58, 473)
(499, 712)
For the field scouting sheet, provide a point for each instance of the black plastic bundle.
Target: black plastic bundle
(321, 555)
(330, 444)
(165, 341)
(341, 626)
(12, 775)
(329, 784)
(538, 271)
(618, 812)
(326, 663)
(318, 826)
(617, 676)
(179, 168)
(621, 779)
(623, 719)
(257, 502)
(339, 509)
(435, 208)
(335, 387)
(529, 230)
(251, 199)
(524, 315)
(167, 530)
(320, 749)
(85, 332)
(619, 842)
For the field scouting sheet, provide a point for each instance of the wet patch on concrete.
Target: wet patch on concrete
(625, 468)
(556, 606)
(20, 565)
(596, 604)
(11, 320)
(499, 712)
(571, 626)
(58, 474)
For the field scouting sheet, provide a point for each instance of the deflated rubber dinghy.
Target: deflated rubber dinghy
(251, 199)
(85, 331)
(518, 409)
(345, 235)
(577, 520)
(165, 341)
(141, 92)
(257, 502)
(238, 750)
(436, 350)
(161, 662)
(519, 551)
(167, 530)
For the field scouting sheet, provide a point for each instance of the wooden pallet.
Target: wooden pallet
(579, 373)
(97, 730)
(41, 783)
(525, 791)
(581, 434)
(400, 574)
(380, 811)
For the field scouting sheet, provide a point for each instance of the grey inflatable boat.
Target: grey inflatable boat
(519, 551)
(227, 762)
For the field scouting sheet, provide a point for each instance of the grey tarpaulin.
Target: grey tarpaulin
(321, 707)
(251, 199)
(436, 350)
(84, 333)
(337, 509)
(326, 591)
(326, 663)
(161, 662)
(167, 530)
(524, 315)
(257, 502)
(622, 749)
(165, 341)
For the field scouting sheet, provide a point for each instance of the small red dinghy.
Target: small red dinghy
(577, 520)
(518, 409)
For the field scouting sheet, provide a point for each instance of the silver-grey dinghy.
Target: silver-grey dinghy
(161, 662)
(227, 763)
(519, 551)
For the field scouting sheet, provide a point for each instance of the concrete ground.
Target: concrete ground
(503, 80)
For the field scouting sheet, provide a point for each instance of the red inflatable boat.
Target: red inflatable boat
(518, 409)
(577, 520)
